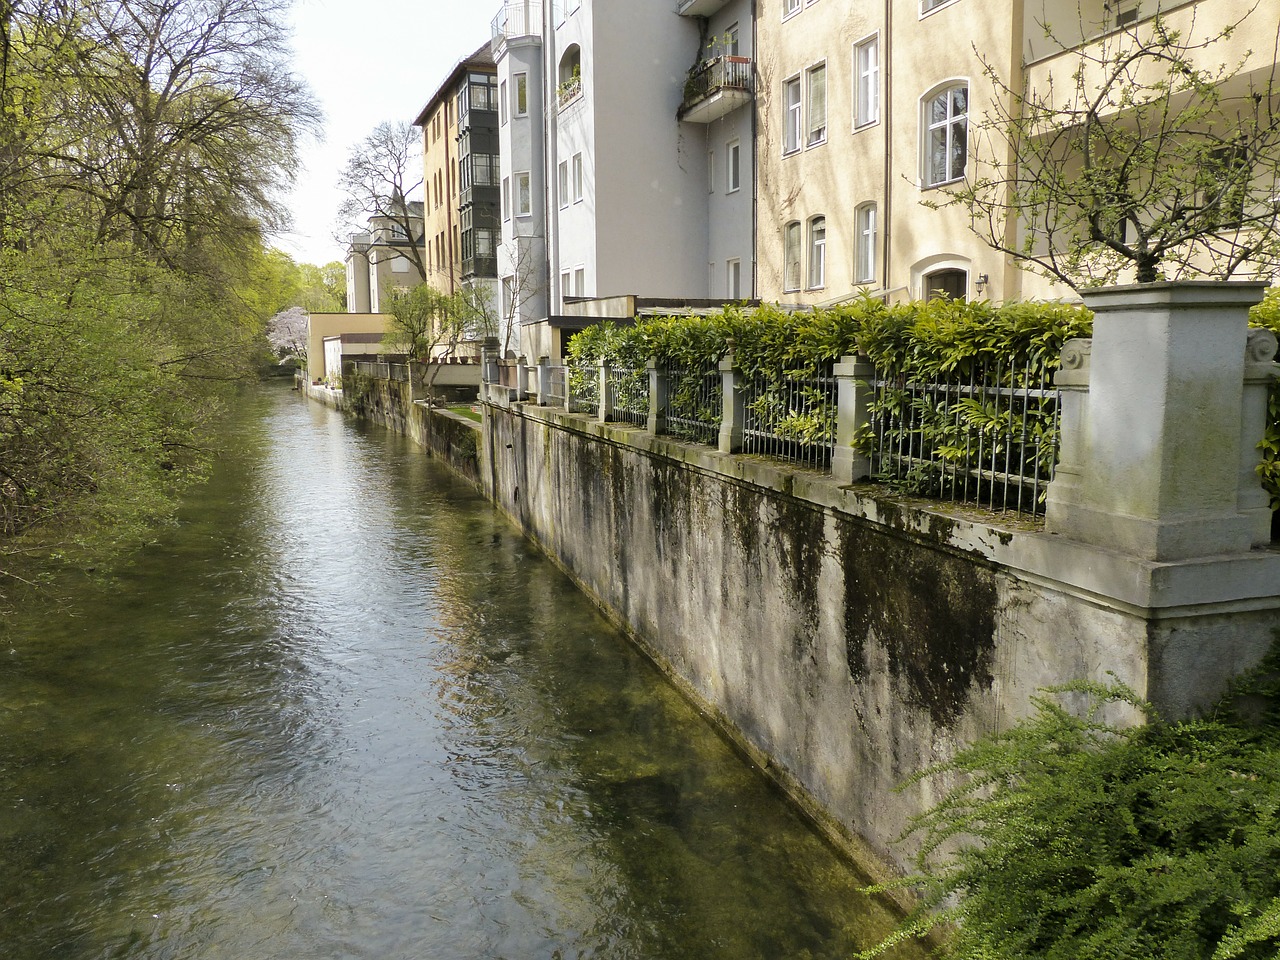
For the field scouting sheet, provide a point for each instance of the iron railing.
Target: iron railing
(628, 394)
(557, 387)
(695, 404)
(988, 436)
(791, 418)
(717, 73)
(584, 389)
(519, 18)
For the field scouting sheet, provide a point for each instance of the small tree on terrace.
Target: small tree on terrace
(1147, 161)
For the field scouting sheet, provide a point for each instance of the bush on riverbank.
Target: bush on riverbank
(1070, 838)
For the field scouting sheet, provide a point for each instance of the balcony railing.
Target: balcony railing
(568, 91)
(716, 87)
(522, 18)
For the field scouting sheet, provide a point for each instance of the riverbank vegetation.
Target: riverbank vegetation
(143, 149)
(1070, 837)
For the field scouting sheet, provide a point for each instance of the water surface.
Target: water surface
(343, 709)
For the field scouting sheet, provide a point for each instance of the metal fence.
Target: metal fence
(629, 394)
(584, 389)
(988, 437)
(557, 386)
(695, 404)
(792, 419)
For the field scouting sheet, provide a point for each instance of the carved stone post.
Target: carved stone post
(1259, 372)
(734, 407)
(544, 380)
(606, 401)
(1151, 461)
(657, 398)
(854, 392)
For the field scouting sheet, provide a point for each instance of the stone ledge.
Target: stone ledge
(1192, 587)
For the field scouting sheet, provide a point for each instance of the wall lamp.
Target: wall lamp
(980, 281)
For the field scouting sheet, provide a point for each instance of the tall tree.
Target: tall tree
(381, 174)
(1142, 156)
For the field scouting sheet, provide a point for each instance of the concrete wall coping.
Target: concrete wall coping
(1148, 588)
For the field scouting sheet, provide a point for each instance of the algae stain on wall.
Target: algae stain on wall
(934, 614)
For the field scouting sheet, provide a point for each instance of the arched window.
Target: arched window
(945, 134)
(950, 283)
(570, 74)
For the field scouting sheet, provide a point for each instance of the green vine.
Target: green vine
(1267, 314)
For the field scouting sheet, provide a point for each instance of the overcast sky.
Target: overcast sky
(367, 61)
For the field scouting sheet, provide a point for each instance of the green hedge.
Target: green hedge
(1267, 314)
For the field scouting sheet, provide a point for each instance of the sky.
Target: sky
(367, 61)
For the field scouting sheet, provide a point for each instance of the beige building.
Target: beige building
(461, 217)
(864, 120)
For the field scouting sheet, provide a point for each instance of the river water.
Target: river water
(343, 709)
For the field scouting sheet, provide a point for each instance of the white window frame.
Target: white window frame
(817, 248)
(524, 194)
(566, 284)
(733, 167)
(521, 84)
(506, 198)
(580, 280)
(733, 279)
(947, 126)
(502, 103)
(577, 178)
(815, 132)
(711, 171)
(790, 8)
(865, 216)
(928, 7)
(563, 183)
(866, 82)
(791, 255)
(793, 115)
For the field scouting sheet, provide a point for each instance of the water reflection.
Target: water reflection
(343, 710)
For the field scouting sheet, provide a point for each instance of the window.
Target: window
(506, 198)
(817, 84)
(733, 168)
(789, 7)
(791, 256)
(522, 95)
(711, 171)
(400, 265)
(864, 268)
(817, 252)
(946, 135)
(524, 195)
(731, 47)
(791, 128)
(566, 284)
(950, 284)
(577, 178)
(733, 279)
(928, 5)
(1127, 15)
(866, 70)
(502, 102)
(579, 281)
(563, 171)
(1224, 178)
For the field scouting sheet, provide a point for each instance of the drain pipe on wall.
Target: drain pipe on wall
(887, 121)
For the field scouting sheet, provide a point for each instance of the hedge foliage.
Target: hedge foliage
(1267, 314)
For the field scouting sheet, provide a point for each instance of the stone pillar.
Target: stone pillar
(657, 398)
(606, 402)
(1151, 458)
(1260, 371)
(734, 409)
(855, 377)
(522, 379)
(544, 380)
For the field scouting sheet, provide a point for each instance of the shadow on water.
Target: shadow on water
(344, 710)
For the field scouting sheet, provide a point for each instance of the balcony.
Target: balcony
(568, 91)
(519, 18)
(715, 88)
(699, 8)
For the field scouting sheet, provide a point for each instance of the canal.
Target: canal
(344, 710)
